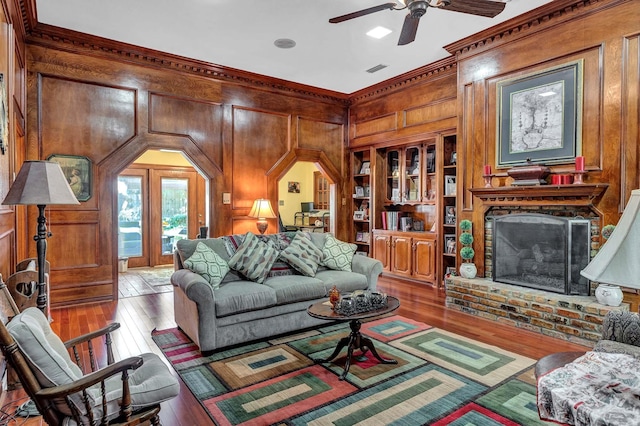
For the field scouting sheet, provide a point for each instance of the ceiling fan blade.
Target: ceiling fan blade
(409, 30)
(485, 8)
(362, 12)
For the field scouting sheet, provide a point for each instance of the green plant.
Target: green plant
(466, 239)
(607, 230)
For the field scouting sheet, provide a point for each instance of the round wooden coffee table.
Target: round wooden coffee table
(323, 310)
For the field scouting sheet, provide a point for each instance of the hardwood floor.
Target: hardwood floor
(138, 316)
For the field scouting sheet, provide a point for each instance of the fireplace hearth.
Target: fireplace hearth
(541, 251)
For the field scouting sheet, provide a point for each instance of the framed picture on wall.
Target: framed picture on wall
(79, 173)
(293, 187)
(539, 117)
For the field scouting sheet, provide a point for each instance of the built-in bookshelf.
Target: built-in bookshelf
(448, 207)
(361, 206)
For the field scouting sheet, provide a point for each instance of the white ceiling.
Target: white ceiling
(240, 34)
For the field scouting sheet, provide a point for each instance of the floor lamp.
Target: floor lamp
(40, 183)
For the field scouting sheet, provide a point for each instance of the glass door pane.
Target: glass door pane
(130, 216)
(175, 199)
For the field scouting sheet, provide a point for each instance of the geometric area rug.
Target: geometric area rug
(440, 379)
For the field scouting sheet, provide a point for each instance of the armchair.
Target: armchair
(125, 392)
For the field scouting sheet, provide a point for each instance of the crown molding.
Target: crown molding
(402, 81)
(53, 37)
(551, 14)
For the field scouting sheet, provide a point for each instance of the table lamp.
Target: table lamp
(40, 183)
(617, 262)
(262, 210)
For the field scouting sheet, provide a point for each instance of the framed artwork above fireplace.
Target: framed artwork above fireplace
(539, 117)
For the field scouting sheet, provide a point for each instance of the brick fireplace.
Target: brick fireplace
(569, 317)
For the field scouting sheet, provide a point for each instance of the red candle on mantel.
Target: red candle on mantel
(487, 170)
(580, 164)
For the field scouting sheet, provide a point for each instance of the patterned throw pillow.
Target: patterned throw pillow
(208, 264)
(337, 254)
(254, 259)
(303, 255)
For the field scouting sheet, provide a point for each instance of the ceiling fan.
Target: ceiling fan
(417, 8)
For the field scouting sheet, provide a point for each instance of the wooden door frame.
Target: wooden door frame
(155, 215)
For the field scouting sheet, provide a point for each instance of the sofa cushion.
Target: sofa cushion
(345, 282)
(254, 258)
(337, 254)
(303, 255)
(206, 263)
(281, 241)
(296, 288)
(243, 296)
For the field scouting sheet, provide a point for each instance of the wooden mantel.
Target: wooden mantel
(568, 195)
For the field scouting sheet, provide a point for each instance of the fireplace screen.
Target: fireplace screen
(541, 251)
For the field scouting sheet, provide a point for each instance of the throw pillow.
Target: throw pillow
(254, 259)
(207, 263)
(337, 254)
(303, 255)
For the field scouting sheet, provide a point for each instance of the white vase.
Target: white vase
(468, 270)
(610, 295)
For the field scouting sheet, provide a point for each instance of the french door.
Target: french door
(157, 207)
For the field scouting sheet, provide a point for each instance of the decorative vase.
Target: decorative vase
(334, 297)
(608, 294)
(468, 270)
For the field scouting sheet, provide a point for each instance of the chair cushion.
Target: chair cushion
(150, 384)
(46, 354)
(208, 264)
(254, 259)
(302, 254)
(337, 254)
(43, 348)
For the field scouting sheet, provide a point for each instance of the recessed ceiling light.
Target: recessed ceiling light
(284, 43)
(379, 32)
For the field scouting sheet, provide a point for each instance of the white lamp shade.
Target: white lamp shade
(262, 209)
(40, 183)
(618, 261)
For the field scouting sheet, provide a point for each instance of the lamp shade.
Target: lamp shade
(262, 209)
(40, 183)
(618, 261)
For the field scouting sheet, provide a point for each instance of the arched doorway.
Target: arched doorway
(304, 198)
(161, 199)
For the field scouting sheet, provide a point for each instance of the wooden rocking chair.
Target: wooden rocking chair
(127, 392)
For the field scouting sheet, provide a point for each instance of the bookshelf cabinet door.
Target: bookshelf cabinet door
(424, 259)
(401, 255)
(382, 250)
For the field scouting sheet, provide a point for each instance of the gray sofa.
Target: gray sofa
(240, 310)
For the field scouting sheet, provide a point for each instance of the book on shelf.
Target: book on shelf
(390, 220)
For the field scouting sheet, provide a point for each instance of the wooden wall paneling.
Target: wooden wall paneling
(7, 258)
(324, 136)
(383, 123)
(630, 140)
(199, 120)
(427, 106)
(85, 118)
(253, 132)
(430, 112)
